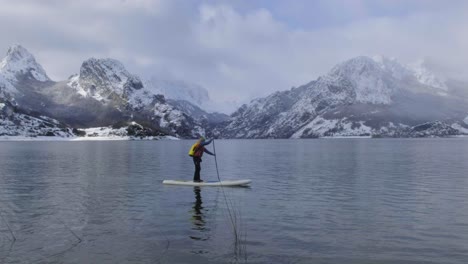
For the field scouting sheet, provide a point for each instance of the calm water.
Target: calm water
(311, 201)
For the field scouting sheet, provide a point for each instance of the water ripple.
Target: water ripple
(315, 201)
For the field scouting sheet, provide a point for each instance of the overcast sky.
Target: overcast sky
(237, 50)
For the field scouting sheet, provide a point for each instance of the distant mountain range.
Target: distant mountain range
(104, 93)
(374, 97)
(363, 96)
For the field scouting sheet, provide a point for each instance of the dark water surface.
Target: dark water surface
(311, 201)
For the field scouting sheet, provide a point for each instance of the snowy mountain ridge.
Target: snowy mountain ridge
(361, 96)
(104, 93)
(108, 81)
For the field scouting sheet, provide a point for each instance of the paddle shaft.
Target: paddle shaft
(216, 160)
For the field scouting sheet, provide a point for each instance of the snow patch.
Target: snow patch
(319, 126)
(28, 126)
(73, 82)
(141, 98)
(460, 128)
(55, 138)
(347, 137)
(107, 132)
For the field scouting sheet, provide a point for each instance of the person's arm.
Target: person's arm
(207, 142)
(209, 152)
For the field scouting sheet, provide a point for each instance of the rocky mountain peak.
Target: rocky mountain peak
(375, 80)
(20, 64)
(104, 78)
(103, 67)
(18, 52)
(110, 72)
(365, 78)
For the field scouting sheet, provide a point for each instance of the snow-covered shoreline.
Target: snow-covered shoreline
(347, 137)
(116, 138)
(76, 139)
(132, 132)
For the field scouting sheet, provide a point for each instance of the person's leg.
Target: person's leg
(196, 176)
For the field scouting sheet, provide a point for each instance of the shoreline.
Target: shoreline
(78, 139)
(127, 138)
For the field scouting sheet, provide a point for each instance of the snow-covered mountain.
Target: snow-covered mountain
(359, 97)
(362, 96)
(104, 93)
(19, 63)
(33, 93)
(105, 80)
(108, 82)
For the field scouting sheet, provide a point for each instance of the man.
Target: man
(196, 152)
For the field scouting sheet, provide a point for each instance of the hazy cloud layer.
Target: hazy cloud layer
(236, 49)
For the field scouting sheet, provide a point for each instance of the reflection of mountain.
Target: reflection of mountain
(198, 216)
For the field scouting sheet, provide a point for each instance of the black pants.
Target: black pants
(196, 175)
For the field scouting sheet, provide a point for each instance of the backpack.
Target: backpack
(193, 149)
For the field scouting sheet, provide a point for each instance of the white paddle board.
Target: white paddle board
(209, 183)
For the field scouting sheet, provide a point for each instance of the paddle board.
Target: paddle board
(209, 183)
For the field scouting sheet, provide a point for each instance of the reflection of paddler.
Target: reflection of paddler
(197, 216)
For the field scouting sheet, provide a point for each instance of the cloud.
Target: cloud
(236, 49)
(259, 54)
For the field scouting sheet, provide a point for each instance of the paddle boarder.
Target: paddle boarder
(196, 152)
